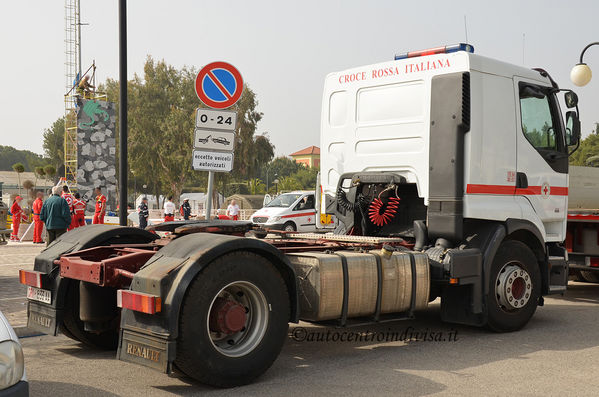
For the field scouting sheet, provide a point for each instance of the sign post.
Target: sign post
(219, 86)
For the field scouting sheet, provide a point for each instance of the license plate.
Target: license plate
(40, 295)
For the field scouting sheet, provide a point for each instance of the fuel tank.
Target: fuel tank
(322, 287)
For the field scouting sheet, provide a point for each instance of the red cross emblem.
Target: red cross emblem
(545, 190)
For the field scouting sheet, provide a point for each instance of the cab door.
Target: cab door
(304, 213)
(542, 157)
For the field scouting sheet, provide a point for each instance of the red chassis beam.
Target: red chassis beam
(111, 266)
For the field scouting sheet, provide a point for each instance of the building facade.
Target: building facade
(309, 157)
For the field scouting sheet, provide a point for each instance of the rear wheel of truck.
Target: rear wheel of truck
(72, 326)
(590, 276)
(233, 321)
(514, 289)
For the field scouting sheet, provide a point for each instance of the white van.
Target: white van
(290, 212)
(13, 381)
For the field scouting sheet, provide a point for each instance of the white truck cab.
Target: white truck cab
(289, 212)
(458, 151)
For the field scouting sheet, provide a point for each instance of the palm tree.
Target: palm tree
(256, 186)
(19, 168)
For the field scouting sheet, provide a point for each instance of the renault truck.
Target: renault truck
(446, 174)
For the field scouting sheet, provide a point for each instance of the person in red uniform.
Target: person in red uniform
(100, 206)
(78, 212)
(17, 216)
(66, 194)
(38, 225)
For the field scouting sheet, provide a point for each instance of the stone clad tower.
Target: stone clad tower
(96, 155)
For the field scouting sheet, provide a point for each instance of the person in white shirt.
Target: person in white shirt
(169, 210)
(233, 211)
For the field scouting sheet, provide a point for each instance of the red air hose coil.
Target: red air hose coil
(380, 214)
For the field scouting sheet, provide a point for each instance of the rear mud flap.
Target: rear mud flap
(42, 318)
(150, 351)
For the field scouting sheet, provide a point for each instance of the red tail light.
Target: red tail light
(31, 278)
(138, 301)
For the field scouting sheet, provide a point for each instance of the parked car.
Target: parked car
(13, 382)
(289, 212)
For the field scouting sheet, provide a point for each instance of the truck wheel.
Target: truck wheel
(289, 227)
(260, 234)
(73, 328)
(233, 321)
(578, 276)
(590, 276)
(515, 287)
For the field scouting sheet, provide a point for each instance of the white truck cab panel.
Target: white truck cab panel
(378, 118)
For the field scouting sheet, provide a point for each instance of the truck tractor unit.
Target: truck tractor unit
(446, 175)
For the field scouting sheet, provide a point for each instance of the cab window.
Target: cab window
(537, 120)
(542, 125)
(306, 203)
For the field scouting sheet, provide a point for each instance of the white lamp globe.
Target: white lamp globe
(581, 74)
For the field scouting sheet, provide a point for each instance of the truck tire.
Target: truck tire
(514, 287)
(578, 276)
(219, 346)
(590, 276)
(289, 227)
(73, 328)
(260, 234)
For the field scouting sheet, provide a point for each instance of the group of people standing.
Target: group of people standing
(60, 212)
(169, 211)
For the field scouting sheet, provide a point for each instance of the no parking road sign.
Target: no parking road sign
(219, 85)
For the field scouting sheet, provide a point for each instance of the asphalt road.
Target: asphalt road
(556, 354)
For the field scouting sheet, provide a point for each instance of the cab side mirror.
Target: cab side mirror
(572, 128)
(571, 99)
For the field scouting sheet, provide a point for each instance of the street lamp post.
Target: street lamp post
(276, 182)
(581, 73)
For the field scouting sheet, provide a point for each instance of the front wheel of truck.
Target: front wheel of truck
(233, 321)
(514, 287)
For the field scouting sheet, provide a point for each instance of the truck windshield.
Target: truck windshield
(284, 200)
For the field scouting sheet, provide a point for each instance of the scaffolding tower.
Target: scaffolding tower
(72, 18)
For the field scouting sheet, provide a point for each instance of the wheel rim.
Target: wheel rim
(231, 333)
(513, 287)
(289, 228)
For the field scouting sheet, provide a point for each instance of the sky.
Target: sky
(283, 49)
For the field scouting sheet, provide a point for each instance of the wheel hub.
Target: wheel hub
(238, 318)
(227, 316)
(513, 287)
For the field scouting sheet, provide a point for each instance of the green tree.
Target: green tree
(589, 148)
(50, 171)
(279, 167)
(288, 183)
(39, 173)
(306, 177)
(162, 106)
(9, 155)
(28, 186)
(19, 168)
(54, 142)
(256, 186)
